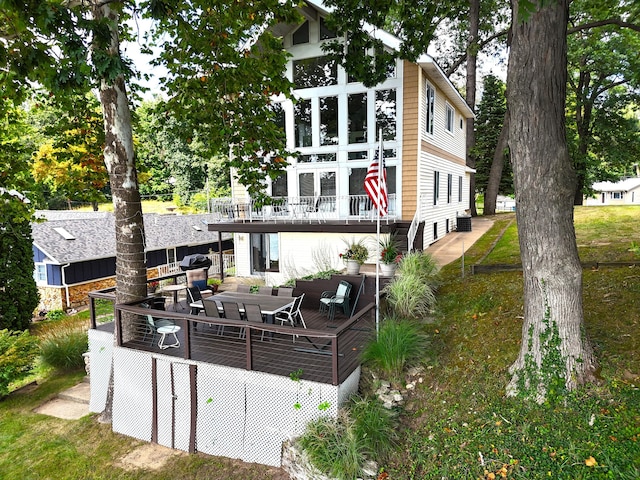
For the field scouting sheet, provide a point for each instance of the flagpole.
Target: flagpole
(380, 167)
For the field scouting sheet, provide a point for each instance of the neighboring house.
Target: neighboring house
(505, 204)
(623, 192)
(75, 252)
(334, 126)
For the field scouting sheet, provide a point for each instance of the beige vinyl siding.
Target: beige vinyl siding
(410, 139)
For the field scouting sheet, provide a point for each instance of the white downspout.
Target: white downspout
(66, 287)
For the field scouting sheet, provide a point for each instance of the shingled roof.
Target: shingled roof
(91, 235)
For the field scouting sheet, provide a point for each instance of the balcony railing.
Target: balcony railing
(228, 259)
(291, 209)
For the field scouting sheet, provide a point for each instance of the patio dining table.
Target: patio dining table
(269, 304)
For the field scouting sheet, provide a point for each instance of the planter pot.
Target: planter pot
(353, 267)
(388, 269)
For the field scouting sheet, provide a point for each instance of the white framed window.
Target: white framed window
(449, 187)
(40, 274)
(436, 187)
(449, 121)
(430, 98)
(459, 189)
(171, 255)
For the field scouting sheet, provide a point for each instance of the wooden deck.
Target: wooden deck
(326, 351)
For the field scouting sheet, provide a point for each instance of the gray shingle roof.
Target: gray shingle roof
(94, 233)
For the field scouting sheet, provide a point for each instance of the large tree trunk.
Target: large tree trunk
(555, 352)
(497, 165)
(131, 273)
(472, 57)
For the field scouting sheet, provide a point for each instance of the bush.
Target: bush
(18, 351)
(400, 344)
(340, 447)
(62, 346)
(412, 293)
(54, 315)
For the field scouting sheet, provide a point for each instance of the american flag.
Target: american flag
(375, 183)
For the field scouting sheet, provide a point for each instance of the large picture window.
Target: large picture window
(314, 72)
(386, 113)
(329, 121)
(302, 115)
(357, 118)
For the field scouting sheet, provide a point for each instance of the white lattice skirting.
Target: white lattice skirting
(239, 414)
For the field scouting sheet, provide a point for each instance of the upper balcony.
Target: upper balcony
(312, 209)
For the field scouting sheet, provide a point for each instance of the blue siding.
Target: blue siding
(38, 255)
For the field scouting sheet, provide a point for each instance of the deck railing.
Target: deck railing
(228, 259)
(291, 209)
(326, 356)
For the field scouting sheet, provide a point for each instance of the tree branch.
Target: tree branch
(462, 58)
(600, 23)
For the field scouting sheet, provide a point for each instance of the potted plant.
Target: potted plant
(152, 287)
(354, 256)
(390, 256)
(214, 283)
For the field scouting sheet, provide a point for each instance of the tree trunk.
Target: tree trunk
(131, 273)
(555, 353)
(472, 57)
(495, 173)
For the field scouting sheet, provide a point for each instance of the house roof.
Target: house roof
(624, 185)
(426, 62)
(68, 236)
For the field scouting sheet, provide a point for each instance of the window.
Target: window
(436, 187)
(450, 118)
(302, 116)
(329, 121)
(40, 274)
(302, 34)
(265, 254)
(279, 186)
(460, 189)
(449, 187)
(314, 72)
(325, 32)
(386, 113)
(616, 195)
(360, 155)
(317, 157)
(357, 105)
(430, 108)
(171, 255)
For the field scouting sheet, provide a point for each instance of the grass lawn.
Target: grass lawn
(458, 424)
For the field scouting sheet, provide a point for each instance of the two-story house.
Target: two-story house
(334, 125)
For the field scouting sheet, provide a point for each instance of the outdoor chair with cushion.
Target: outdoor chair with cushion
(153, 324)
(329, 300)
(198, 278)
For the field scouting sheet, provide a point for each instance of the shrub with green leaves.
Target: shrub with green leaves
(400, 344)
(18, 352)
(63, 344)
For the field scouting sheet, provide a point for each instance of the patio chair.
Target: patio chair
(253, 314)
(292, 314)
(232, 312)
(153, 325)
(340, 298)
(211, 310)
(194, 295)
(198, 278)
(243, 288)
(264, 290)
(285, 292)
